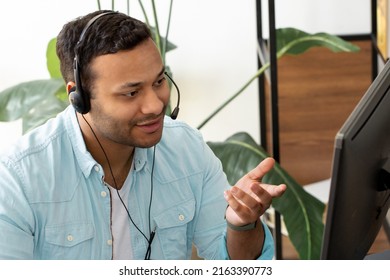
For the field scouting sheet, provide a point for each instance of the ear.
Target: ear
(69, 86)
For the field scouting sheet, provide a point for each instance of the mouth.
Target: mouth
(151, 126)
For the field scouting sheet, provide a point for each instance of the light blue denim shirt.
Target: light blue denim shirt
(54, 203)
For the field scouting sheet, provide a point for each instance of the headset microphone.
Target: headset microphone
(175, 111)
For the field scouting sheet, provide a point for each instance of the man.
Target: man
(112, 178)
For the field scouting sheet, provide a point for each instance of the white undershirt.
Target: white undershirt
(120, 226)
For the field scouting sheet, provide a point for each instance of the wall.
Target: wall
(216, 51)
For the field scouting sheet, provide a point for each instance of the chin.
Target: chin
(148, 143)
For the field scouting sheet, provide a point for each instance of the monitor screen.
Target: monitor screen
(360, 179)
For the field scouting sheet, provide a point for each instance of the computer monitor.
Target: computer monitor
(360, 178)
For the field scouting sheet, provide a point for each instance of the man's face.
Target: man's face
(130, 95)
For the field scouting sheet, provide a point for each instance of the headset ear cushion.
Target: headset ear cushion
(77, 101)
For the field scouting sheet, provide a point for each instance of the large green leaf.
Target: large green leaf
(45, 109)
(52, 60)
(302, 213)
(17, 101)
(294, 41)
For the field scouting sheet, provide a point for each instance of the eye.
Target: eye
(159, 82)
(131, 93)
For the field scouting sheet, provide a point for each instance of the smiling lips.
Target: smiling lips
(151, 126)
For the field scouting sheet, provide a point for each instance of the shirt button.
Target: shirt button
(69, 238)
(103, 194)
(181, 217)
(109, 242)
(96, 168)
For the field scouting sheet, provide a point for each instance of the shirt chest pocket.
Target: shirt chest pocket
(68, 241)
(173, 231)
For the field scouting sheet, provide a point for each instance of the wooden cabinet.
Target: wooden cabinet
(317, 91)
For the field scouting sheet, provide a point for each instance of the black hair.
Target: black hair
(108, 34)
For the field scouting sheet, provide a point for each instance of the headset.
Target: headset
(78, 98)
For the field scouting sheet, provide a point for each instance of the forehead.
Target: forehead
(134, 64)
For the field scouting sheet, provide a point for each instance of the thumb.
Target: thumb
(260, 170)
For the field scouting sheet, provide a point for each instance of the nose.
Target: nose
(152, 104)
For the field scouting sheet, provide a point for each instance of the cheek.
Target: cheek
(170, 94)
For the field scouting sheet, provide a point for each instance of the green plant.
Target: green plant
(37, 101)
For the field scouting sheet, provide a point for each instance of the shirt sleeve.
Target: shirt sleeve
(210, 216)
(210, 237)
(267, 252)
(16, 218)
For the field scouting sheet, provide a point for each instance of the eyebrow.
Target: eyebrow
(135, 84)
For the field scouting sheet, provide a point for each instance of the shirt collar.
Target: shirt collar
(140, 158)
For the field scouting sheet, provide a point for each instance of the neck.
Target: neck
(115, 159)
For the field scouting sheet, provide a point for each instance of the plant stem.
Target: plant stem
(144, 12)
(164, 50)
(258, 73)
(99, 6)
(112, 5)
(128, 7)
(157, 34)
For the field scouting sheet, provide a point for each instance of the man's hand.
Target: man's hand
(250, 198)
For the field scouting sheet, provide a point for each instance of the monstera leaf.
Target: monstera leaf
(302, 212)
(33, 101)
